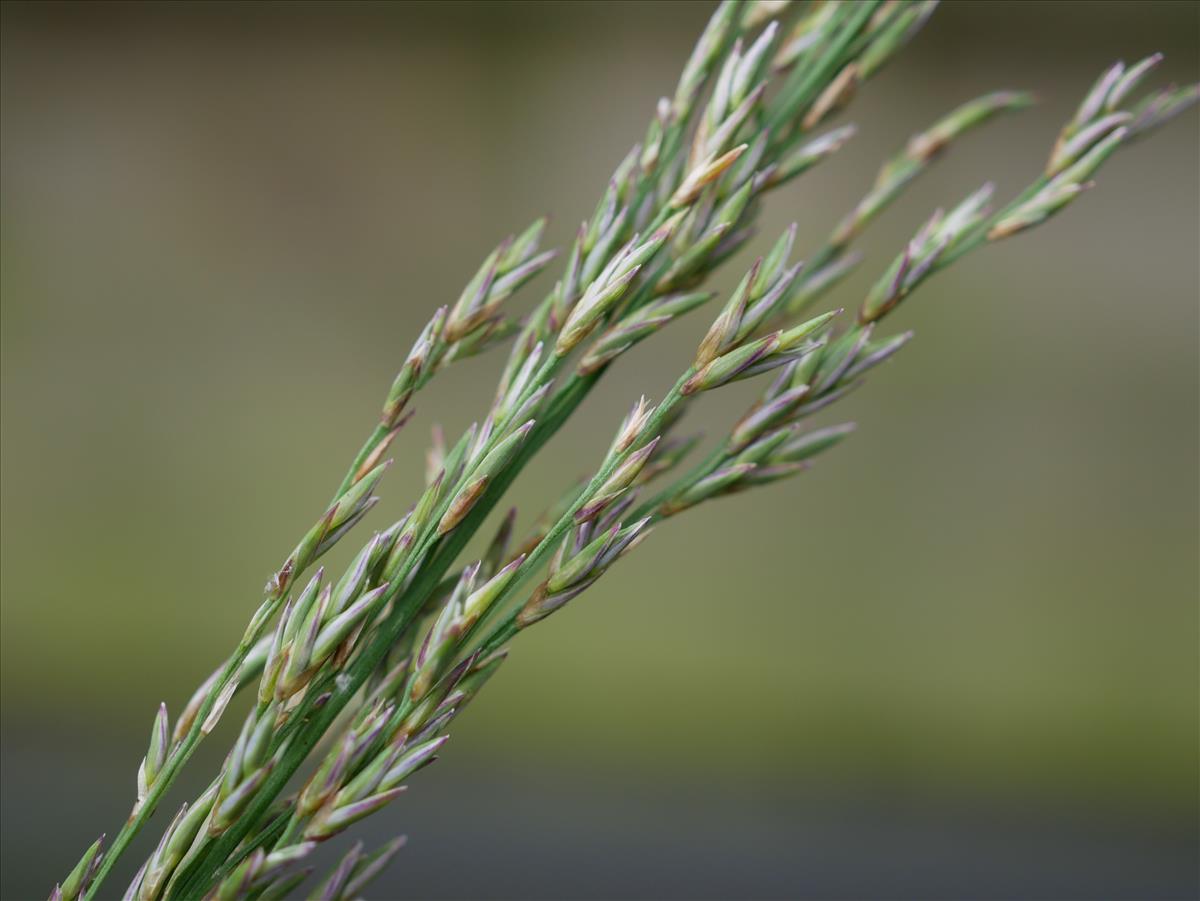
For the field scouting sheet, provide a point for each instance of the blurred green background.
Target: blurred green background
(958, 658)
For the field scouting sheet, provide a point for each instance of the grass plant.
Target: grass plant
(355, 678)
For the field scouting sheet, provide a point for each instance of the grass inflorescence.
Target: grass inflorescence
(355, 678)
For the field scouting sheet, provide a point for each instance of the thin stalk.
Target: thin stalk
(175, 762)
(182, 751)
(353, 677)
(705, 467)
(508, 626)
(809, 81)
(532, 564)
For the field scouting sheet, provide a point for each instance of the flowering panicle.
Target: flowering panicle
(373, 666)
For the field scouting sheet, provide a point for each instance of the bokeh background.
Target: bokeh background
(957, 659)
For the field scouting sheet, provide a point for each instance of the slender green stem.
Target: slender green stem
(508, 626)
(178, 757)
(449, 547)
(708, 465)
(805, 83)
(272, 834)
(182, 752)
(536, 558)
(405, 611)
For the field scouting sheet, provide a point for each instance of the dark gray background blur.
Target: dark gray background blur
(958, 659)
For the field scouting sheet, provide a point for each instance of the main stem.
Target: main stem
(178, 757)
(445, 553)
(508, 626)
(181, 753)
